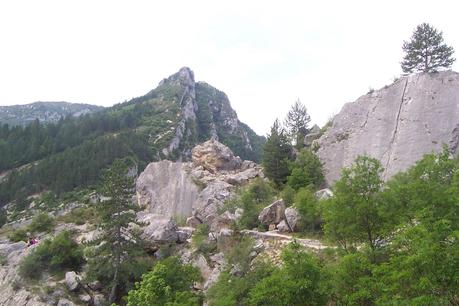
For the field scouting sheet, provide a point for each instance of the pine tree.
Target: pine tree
(115, 261)
(297, 122)
(426, 51)
(276, 154)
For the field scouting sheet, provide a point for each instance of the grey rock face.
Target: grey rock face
(283, 227)
(159, 228)
(398, 124)
(272, 214)
(166, 188)
(324, 194)
(292, 217)
(312, 135)
(188, 189)
(65, 302)
(72, 280)
(214, 156)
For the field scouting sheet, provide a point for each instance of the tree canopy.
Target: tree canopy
(426, 51)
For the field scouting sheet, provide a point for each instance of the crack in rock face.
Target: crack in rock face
(390, 124)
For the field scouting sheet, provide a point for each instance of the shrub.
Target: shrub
(288, 195)
(201, 241)
(55, 255)
(308, 208)
(17, 235)
(306, 170)
(41, 223)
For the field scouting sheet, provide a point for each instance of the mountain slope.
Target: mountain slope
(398, 124)
(43, 111)
(163, 124)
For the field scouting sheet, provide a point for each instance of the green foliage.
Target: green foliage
(300, 281)
(61, 253)
(306, 170)
(356, 214)
(120, 259)
(276, 155)
(201, 240)
(296, 123)
(288, 195)
(308, 207)
(41, 223)
(232, 290)
(169, 283)
(252, 199)
(17, 235)
(426, 51)
(239, 254)
(81, 215)
(3, 217)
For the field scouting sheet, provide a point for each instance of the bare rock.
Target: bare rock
(85, 298)
(193, 222)
(313, 134)
(166, 188)
(159, 228)
(292, 217)
(272, 214)
(283, 227)
(99, 300)
(214, 156)
(397, 124)
(65, 302)
(272, 227)
(225, 220)
(324, 194)
(72, 280)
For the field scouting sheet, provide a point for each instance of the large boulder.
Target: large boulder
(215, 156)
(159, 228)
(167, 189)
(72, 280)
(324, 194)
(272, 214)
(397, 124)
(292, 217)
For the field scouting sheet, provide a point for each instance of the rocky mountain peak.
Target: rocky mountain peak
(397, 124)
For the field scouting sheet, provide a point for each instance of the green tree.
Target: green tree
(118, 255)
(306, 170)
(276, 155)
(308, 208)
(355, 214)
(168, 284)
(301, 281)
(296, 123)
(426, 51)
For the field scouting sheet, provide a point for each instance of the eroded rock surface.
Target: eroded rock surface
(398, 124)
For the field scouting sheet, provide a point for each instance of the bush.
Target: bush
(61, 253)
(169, 283)
(306, 171)
(308, 208)
(201, 240)
(17, 235)
(41, 223)
(288, 195)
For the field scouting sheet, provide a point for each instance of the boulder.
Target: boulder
(159, 228)
(72, 280)
(272, 214)
(215, 156)
(225, 220)
(283, 227)
(242, 178)
(184, 233)
(193, 222)
(165, 188)
(99, 300)
(65, 302)
(85, 298)
(397, 124)
(313, 134)
(292, 217)
(324, 194)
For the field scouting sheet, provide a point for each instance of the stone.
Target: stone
(272, 214)
(72, 280)
(225, 220)
(324, 194)
(85, 298)
(272, 227)
(397, 124)
(165, 188)
(193, 222)
(292, 216)
(159, 228)
(184, 233)
(224, 239)
(65, 302)
(242, 178)
(215, 156)
(313, 134)
(283, 227)
(200, 262)
(99, 300)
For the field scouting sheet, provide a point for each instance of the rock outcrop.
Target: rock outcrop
(272, 214)
(397, 124)
(195, 190)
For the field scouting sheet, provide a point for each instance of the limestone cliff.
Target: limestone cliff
(397, 124)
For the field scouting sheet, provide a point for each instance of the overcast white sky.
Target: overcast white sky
(263, 54)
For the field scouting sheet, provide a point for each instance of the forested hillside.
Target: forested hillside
(165, 123)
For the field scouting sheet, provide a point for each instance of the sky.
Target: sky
(263, 54)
